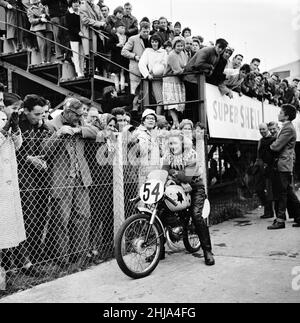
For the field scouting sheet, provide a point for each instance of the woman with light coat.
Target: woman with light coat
(152, 65)
(12, 231)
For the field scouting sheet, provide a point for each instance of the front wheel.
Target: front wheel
(190, 238)
(136, 257)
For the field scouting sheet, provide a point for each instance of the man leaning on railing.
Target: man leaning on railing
(69, 225)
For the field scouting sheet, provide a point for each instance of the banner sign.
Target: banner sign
(236, 118)
(239, 118)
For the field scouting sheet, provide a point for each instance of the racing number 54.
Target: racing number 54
(155, 192)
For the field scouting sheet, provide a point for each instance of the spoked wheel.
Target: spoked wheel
(136, 257)
(190, 238)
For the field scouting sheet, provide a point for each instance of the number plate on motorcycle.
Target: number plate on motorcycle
(152, 191)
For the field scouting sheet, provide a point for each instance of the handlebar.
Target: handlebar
(135, 200)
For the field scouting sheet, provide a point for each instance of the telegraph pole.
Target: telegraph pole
(171, 11)
(215, 31)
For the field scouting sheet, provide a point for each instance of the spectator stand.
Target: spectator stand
(60, 74)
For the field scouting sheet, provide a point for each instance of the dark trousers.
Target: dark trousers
(191, 109)
(265, 200)
(69, 223)
(287, 199)
(198, 199)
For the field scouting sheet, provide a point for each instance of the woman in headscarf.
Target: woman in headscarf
(173, 87)
(146, 137)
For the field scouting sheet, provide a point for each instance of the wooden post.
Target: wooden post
(92, 63)
(145, 93)
(118, 186)
(263, 111)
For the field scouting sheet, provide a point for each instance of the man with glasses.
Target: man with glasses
(188, 47)
(69, 226)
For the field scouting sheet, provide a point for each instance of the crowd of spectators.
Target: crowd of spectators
(141, 49)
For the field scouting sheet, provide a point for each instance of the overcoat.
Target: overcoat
(12, 231)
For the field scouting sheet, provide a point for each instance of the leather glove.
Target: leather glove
(14, 122)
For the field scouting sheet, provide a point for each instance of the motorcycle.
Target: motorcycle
(164, 217)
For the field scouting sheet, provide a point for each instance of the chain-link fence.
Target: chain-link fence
(75, 195)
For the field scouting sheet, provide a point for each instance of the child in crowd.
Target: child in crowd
(73, 25)
(39, 19)
(118, 41)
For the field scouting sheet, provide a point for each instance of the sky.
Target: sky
(267, 29)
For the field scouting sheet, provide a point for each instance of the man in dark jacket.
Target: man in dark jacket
(218, 75)
(130, 21)
(205, 60)
(285, 146)
(33, 181)
(57, 12)
(262, 168)
(164, 32)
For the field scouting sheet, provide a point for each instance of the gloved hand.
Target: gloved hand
(14, 122)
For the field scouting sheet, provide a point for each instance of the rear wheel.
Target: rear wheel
(136, 257)
(190, 238)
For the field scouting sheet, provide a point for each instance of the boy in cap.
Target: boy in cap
(177, 29)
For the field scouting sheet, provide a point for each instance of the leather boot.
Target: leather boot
(277, 225)
(198, 198)
(209, 259)
(203, 234)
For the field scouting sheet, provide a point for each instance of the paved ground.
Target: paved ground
(252, 265)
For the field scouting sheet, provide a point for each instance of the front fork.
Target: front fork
(153, 218)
